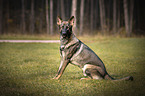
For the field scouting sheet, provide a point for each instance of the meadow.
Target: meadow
(27, 69)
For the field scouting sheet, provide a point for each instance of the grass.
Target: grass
(27, 69)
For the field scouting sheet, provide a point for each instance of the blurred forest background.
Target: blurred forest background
(109, 17)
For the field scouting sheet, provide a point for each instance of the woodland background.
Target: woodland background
(109, 17)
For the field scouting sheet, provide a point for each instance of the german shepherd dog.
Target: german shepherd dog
(73, 51)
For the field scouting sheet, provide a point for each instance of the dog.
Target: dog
(73, 51)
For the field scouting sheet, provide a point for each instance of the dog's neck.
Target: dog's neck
(65, 43)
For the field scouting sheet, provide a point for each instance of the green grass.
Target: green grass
(27, 69)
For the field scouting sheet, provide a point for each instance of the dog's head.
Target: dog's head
(65, 27)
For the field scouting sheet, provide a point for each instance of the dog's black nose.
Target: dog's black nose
(64, 33)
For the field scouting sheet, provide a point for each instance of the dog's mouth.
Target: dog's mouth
(64, 34)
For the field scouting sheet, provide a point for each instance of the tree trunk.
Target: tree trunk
(81, 16)
(114, 16)
(138, 16)
(1, 16)
(118, 17)
(67, 8)
(62, 9)
(41, 17)
(58, 8)
(47, 18)
(126, 16)
(96, 19)
(7, 17)
(102, 15)
(23, 18)
(51, 17)
(74, 8)
(32, 27)
(131, 15)
(91, 17)
(87, 15)
(108, 15)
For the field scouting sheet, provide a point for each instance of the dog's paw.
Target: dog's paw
(84, 78)
(54, 78)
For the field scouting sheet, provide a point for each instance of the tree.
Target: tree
(23, 18)
(7, 17)
(96, 14)
(62, 9)
(73, 13)
(126, 16)
(47, 18)
(131, 16)
(92, 15)
(1, 16)
(41, 15)
(32, 27)
(58, 8)
(102, 15)
(114, 16)
(109, 11)
(51, 17)
(128, 22)
(67, 8)
(81, 16)
(118, 17)
(87, 14)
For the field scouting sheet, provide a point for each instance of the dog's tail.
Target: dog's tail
(128, 78)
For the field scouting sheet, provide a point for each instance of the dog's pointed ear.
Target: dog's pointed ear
(71, 20)
(59, 20)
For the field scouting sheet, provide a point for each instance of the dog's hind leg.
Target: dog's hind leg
(93, 72)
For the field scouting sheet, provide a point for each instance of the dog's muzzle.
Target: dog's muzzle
(64, 34)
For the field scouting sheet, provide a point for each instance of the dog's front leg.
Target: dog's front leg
(62, 67)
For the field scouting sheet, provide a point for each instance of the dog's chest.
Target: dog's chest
(62, 51)
(69, 50)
